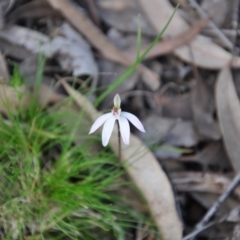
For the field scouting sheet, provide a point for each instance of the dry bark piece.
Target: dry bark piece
(228, 110)
(146, 174)
(99, 41)
(206, 53)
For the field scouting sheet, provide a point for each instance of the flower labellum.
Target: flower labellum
(108, 121)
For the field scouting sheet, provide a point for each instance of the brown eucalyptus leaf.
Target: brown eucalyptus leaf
(34, 9)
(146, 173)
(228, 110)
(206, 54)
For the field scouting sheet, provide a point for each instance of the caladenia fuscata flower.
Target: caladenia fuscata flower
(108, 120)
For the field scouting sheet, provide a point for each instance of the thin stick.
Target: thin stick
(119, 143)
(193, 234)
(215, 207)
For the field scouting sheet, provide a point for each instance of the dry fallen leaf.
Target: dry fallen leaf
(197, 182)
(68, 47)
(24, 37)
(73, 53)
(34, 9)
(228, 109)
(99, 41)
(146, 174)
(206, 54)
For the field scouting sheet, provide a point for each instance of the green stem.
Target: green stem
(119, 143)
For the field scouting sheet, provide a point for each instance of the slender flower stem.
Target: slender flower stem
(119, 143)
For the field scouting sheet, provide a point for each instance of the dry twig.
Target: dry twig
(202, 225)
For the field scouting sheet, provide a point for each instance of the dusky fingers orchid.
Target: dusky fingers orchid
(109, 120)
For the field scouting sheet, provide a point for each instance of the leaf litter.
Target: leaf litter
(189, 154)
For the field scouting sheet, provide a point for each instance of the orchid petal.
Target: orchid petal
(107, 130)
(99, 122)
(134, 120)
(124, 129)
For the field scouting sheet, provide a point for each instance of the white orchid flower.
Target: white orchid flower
(109, 119)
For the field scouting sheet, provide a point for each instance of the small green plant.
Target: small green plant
(52, 187)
